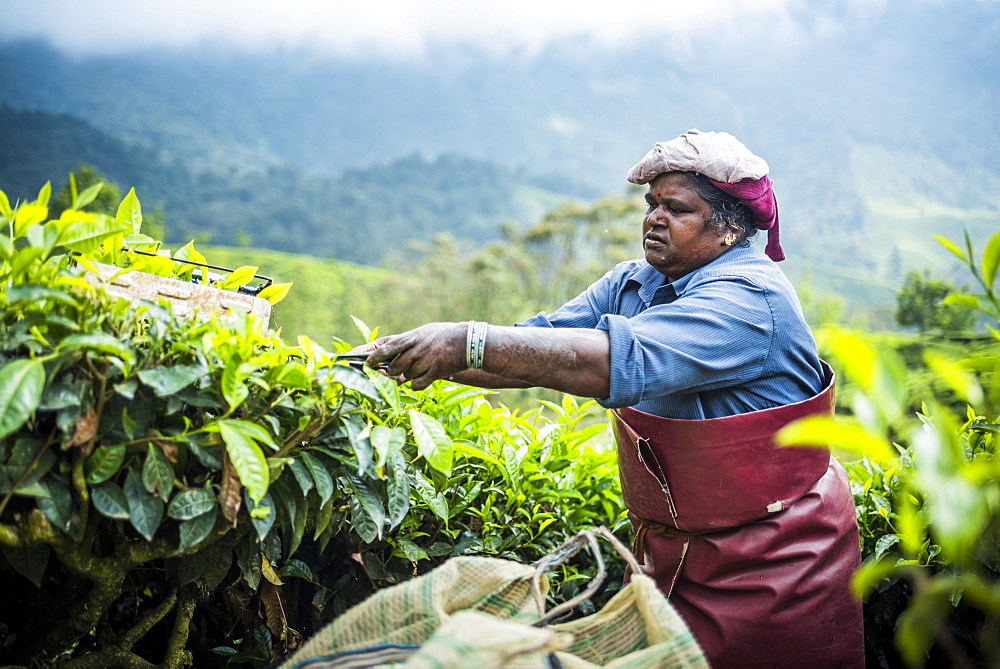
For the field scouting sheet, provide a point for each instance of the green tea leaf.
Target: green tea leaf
(44, 194)
(5, 209)
(320, 475)
(28, 215)
(962, 300)
(388, 390)
(431, 497)
(238, 277)
(472, 451)
(157, 474)
(322, 519)
(262, 514)
(104, 463)
(362, 523)
(370, 502)
(109, 499)
(233, 388)
(129, 214)
(21, 385)
(354, 379)
(86, 236)
(363, 328)
(87, 196)
(196, 529)
(948, 244)
(158, 265)
(251, 431)
(275, 293)
(248, 557)
(30, 562)
(302, 476)
(433, 443)
(299, 513)
(824, 432)
(361, 445)
(191, 503)
(28, 292)
(247, 458)
(386, 442)
(991, 257)
(166, 381)
(398, 489)
(100, 342)
(57, 505)
(296, 569)
(869, 575)
(409, 550)
(145, 511)
(918, 625)
(884, 543)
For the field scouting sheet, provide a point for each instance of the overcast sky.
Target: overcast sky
(404, 28)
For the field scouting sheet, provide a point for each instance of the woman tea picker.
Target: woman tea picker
(702, 351)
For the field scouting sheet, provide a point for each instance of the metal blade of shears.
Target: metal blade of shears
(357, 360)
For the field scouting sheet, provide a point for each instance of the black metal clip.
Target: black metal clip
(245, 289)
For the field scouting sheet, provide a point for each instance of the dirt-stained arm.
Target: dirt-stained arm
(571, 360)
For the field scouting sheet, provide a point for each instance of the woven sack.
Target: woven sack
(486, 612)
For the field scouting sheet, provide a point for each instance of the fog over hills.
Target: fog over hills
(879, 119)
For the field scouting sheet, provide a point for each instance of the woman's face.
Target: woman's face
(674, 231)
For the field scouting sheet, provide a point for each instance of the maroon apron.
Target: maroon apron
(754, 544)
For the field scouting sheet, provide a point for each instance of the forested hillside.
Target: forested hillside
(360, 216)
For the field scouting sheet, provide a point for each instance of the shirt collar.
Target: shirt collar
(650, 280)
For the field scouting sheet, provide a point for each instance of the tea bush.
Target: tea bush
(926, 485)
(196, 490)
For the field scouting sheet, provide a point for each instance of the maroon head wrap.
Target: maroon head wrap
(758, 196)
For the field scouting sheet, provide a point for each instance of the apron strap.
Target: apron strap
(665, 531)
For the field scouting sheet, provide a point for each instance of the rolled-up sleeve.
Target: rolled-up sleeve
(628, 371)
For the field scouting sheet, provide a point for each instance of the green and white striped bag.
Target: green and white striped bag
(485, 612)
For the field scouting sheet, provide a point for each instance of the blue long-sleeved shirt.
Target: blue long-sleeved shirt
(725, 339)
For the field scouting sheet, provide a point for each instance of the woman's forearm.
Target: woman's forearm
(571, 360)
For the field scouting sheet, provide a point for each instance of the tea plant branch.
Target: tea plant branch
(80, 491)
(27, 472)
(122, 659)
(128, 640)
(190, 596)
(107, 576)
(298, 437)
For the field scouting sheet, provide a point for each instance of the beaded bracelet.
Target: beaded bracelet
(475, 344)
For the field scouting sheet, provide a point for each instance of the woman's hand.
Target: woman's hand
(421, 356)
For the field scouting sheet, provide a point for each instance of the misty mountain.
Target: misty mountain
(879, 125)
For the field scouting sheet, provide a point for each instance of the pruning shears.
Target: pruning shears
(357, 360)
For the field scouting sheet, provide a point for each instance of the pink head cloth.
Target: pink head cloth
(729, 165)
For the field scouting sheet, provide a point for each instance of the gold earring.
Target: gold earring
(730, 238)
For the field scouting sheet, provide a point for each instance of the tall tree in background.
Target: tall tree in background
(106, 201)
(84, 177)
(919, 305)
